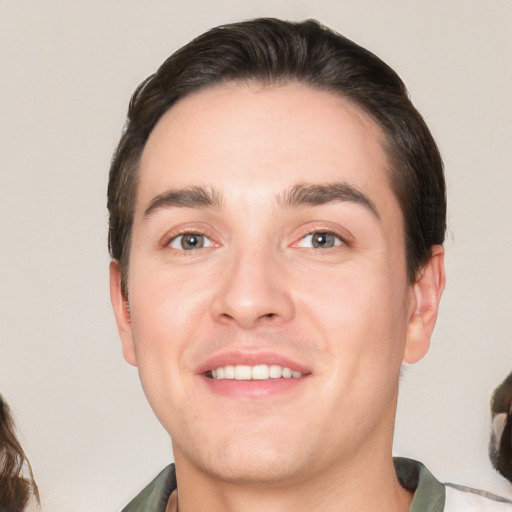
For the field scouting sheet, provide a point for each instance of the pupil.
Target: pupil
(192, 241)
(323, 240)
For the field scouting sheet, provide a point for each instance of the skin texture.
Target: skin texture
(258, 289)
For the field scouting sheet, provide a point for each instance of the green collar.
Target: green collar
(154, 497)
(429, 494)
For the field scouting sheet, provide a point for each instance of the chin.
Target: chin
(268, 471)
(271, 461)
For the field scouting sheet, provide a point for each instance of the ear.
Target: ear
(426, 293)
(122, 313)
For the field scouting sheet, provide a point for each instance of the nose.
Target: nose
(253, 290)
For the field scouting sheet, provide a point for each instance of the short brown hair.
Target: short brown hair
(272, 51)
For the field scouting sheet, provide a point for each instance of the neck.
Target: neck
(358, 485)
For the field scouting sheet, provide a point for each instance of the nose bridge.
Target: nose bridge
(253, 288)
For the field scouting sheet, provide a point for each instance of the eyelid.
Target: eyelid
(208, 242)
(341, 233)
(176, 232)
(302, 242)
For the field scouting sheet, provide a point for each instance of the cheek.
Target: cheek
(166, 302)
(166, 314)
(161, 324)
(361, 312)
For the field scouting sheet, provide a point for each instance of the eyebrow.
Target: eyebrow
(319, 194)
(188, 197)
(296, 196)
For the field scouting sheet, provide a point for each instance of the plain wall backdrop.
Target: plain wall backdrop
(67, 70)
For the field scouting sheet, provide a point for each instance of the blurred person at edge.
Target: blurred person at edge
(277, 214)
(15, 489)
(500, 445)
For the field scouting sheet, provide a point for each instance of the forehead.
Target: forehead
(264, 139)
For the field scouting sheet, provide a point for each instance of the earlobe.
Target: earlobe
(426, 295)
(122, 313)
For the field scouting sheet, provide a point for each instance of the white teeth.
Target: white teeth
(275, 371)
(242, 372)
(258, 372)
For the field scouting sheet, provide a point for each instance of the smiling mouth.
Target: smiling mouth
(257, 372)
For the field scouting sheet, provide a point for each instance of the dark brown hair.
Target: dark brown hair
(272, 51)
(15, 489)
(500, 445)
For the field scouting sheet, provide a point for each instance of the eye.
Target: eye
(320, 240)
(190, 241)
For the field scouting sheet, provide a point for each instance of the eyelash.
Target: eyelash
(341, 240)
(173, 236)
(199, 236)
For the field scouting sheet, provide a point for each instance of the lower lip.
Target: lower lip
(253, 389)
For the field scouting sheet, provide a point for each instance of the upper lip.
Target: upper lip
(249, 358)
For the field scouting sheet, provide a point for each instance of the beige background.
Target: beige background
(67, 69)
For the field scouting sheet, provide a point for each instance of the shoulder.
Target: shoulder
(465, 499)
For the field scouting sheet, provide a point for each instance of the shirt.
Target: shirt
(429, 494)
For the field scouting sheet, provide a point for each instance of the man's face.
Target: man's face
(266, 238)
